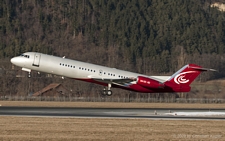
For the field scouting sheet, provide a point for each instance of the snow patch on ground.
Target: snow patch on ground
(220, 6)
(197, 113)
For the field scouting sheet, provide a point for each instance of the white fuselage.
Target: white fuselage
(72, 68)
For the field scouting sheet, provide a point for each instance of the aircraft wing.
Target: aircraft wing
(127, 81)
(120, 82)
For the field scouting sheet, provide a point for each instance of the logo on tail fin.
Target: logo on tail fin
(180, 78)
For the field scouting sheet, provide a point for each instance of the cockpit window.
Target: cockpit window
(27, 56)
(23, 55)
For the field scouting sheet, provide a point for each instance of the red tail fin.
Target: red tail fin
(181, 80)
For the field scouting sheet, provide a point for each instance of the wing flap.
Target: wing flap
(120, 82)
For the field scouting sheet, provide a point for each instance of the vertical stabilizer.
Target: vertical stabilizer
(181, 80)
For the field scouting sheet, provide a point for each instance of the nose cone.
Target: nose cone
(18, 61)
(13, 60)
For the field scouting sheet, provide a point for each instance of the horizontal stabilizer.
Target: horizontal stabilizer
(203, 69)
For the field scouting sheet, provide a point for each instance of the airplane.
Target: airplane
(109, 77)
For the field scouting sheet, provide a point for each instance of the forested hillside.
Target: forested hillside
(146, 36)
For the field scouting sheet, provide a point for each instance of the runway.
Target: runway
(156, 113)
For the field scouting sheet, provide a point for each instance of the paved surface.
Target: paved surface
(213, 114)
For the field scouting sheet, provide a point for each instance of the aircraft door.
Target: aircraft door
(37, 58)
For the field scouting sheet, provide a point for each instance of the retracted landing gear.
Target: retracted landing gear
(107, 92)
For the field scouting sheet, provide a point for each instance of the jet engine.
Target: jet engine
(149, 83)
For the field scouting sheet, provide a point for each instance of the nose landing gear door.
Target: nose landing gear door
(37, 58)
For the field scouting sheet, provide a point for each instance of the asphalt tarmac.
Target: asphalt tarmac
(174, 114)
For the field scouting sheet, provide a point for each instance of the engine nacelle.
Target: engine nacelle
(149, 83)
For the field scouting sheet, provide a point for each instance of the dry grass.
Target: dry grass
(110, 104)
(57, 129)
